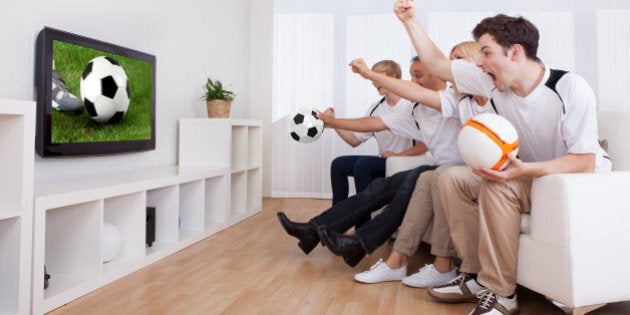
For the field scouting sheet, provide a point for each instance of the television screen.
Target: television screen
(93, 97)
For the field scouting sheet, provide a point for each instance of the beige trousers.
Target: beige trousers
(484, 218)
(423, 207)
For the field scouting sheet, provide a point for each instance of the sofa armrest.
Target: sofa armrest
(576, 207)
(579, 237)
(395, 164)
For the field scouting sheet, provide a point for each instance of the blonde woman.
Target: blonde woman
(424, 205)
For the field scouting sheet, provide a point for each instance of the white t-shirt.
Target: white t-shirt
(549, 125)
(387, 140)
(461, 106)
(426, 124)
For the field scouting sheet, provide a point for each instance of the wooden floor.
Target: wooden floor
(255, 268)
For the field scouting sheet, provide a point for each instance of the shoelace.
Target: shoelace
(487, 299)
(378, 263)
(460, 279)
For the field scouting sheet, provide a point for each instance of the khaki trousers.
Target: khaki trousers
(423, 207)
(484, 218)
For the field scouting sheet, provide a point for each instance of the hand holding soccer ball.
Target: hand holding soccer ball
(305, 126)
(487, 140)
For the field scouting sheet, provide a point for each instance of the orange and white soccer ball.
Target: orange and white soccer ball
(486, 140)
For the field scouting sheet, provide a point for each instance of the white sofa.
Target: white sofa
(577, 250)
(575, 246)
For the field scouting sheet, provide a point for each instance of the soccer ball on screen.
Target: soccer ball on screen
(105, 90)
(304, 126)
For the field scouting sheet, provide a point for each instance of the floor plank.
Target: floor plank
(253, 267)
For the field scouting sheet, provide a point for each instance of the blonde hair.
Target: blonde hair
(471, 53)
(389, 67)
(470, 49)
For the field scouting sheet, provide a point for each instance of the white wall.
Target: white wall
(191, 39)
(260, 77)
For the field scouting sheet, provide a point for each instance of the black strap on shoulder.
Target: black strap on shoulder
(377, 105)
(494, 106)
(373, 109)
(412, 110)
(417, 125)
(554, 77)
(464, 97)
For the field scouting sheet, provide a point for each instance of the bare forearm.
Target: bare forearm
(364, 124)
(407, 89)
(570, 163)
(418, 149)
(431, 56)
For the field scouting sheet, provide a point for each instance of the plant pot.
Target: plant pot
(219, 108)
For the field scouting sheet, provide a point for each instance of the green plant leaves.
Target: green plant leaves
(214, 90)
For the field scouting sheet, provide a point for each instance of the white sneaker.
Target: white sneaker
(462, 288)
(492, 304)
(428, 276)
(381, 272)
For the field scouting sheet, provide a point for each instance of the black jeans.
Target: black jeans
(364, 169)
(394, 191)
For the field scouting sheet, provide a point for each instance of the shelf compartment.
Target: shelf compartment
(128, 214)
(72, 249)
(239, 193)
(255, 142)
(9, 265)
(191, 208)
(239, 148)
(12, 166)
(166, 203)
(217, 206)
(254, 190)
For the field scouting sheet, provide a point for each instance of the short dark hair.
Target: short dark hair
(508, 30)
(415, 59)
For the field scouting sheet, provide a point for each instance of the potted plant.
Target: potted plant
(218, 99)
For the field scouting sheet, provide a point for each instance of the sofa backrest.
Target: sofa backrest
(614, 127)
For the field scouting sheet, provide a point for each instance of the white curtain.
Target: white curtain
(305, 76)
(373, 38)
(302, 74)
(613, 51)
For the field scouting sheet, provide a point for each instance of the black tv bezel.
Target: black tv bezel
(43, 88)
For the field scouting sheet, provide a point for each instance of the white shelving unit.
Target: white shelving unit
(192, 201)
(200, 144)
(17, 140)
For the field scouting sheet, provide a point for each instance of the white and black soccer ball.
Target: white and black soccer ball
(304, 126)
(105, 90)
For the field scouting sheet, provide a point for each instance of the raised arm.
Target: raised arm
(363, 124)
(405, 89)
(434, 60)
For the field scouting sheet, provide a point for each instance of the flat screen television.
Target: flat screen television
(93, 97)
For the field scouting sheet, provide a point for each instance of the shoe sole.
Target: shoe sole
(453, 297)
(351, 261)
(413, 285)
(379, 281)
